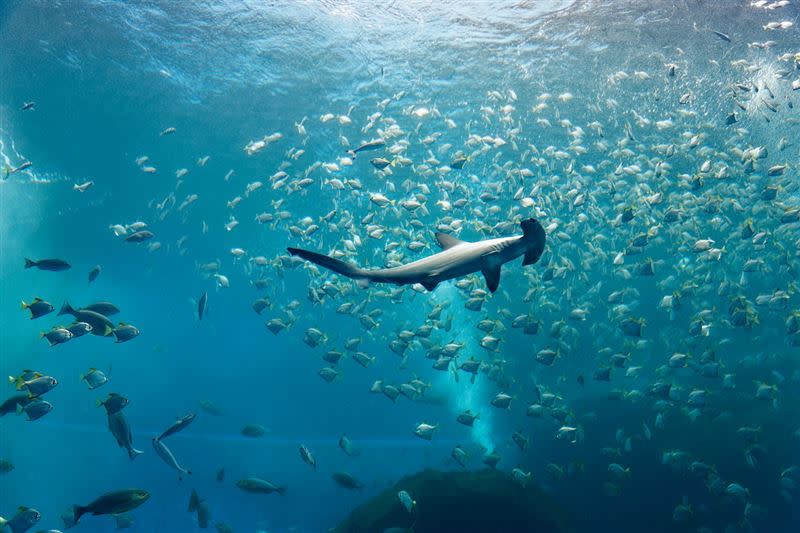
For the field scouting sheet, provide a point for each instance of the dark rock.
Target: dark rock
(487, 500)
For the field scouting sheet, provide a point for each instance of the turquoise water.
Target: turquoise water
(567, 113)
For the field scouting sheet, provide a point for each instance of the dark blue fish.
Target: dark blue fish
(179, 425)
(53, 265)
(202, 305)
(94, 272)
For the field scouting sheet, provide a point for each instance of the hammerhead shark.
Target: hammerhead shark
(457, 258)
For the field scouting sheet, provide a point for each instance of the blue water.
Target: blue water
(108, 76)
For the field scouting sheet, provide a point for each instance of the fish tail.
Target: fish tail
(340, 267)
(65, 309)
(194, 500)
(133, 453)
(281, 491)
(23, 305)
(78, 511)
(28, 262)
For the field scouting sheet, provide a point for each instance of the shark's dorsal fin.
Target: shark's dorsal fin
(447, 241)
(492, 275)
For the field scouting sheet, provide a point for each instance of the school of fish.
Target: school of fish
(535, 267)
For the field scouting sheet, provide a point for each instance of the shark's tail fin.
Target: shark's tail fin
(533, 233)
(340, 267)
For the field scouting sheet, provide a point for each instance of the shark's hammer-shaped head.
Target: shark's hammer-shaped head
(534, 238)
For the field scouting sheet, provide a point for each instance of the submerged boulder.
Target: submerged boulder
(487, 500)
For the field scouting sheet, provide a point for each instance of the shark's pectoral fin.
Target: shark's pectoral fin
(362, 283)
(492, 275)
(429, 285)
